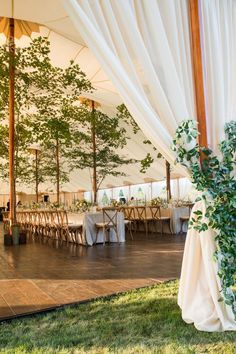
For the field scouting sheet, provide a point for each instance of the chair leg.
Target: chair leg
(170, 228)
(130, 231)
(181, 228)
(146, 228)
(156, 225)
(105, 231)
(117, 236)
(96, 238)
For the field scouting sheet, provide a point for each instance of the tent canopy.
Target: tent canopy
(66, 45)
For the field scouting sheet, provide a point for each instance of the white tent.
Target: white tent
(144, 47)
(67, 45)
(153, 78)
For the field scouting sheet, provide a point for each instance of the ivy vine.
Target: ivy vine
(216, 178)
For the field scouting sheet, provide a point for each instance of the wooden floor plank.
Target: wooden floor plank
(45, 274)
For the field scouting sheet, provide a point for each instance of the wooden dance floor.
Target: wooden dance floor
(43, 274)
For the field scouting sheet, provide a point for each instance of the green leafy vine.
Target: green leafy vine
(216, 179)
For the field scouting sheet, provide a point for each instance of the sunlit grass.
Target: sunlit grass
(142, 321)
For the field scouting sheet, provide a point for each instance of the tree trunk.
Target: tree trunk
(58, 170)
(36, 176)
(12, 213)
(168, 187)
(93, 128)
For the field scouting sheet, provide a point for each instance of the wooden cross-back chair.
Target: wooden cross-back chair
(110, 217)
(36, 222)
(63, 231)
(69, 231)
(129, 218)
(51, 224)
(24, 220)
(142, 217)
(163, 220)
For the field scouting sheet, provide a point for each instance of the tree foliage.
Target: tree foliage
(45, 104)
(110, 138)
(124, 115)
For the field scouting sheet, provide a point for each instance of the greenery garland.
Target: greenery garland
(216, 179)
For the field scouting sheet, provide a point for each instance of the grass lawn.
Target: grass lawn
(141, 321)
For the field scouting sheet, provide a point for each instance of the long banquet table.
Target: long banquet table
(88, 220)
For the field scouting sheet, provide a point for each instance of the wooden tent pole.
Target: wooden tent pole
(168, 188)
(58, 169)
(12, 213)
(36, 176)
(93, 128)
(198, 71)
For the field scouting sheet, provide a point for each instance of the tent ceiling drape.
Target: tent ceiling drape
(153, 77)
(66, 40)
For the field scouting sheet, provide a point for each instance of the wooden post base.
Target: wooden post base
(22, 238)
(8, 240)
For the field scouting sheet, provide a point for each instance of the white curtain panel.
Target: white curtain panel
(200, 288)
(144, 47)
(186, 189)
(219, 56)
(159, 189)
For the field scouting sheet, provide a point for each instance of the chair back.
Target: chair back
(51, 218)
(62, 218)
(141, 212)
(129, 213)
(110, 216)
(155, 212)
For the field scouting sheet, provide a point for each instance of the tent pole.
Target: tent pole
(94, 153)
(198, 71)
(37, 177)
(168, 188)
(58, 169)
(12, 213)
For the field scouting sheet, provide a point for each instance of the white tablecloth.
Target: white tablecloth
(89, 231)
(199, 289)
(175, 214)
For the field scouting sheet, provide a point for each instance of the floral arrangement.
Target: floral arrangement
(180, 202)
(216, 179)
(35, 206)
(115, 204)
(54, 206)
(159, 202)
(82, 206)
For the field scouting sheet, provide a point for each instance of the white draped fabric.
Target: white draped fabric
(200, 285)
(144, 47)
(218, 35)
(199, 291)
(150, 65)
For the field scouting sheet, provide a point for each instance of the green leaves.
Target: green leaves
(216, 179)
(110, 138)
(46, 106)
(124, 116)
(146, 162)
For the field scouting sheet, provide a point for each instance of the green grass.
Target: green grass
(141, 321)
